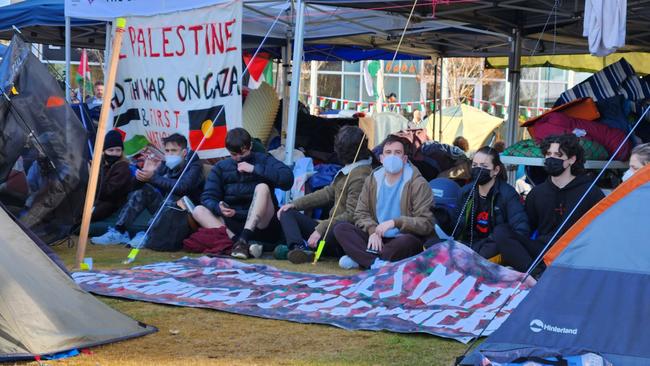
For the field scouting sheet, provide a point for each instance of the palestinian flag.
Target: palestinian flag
(84, 78)
(335, 104)
(359, 107)
(125, 118)
(322, 102)
(260, 69)
(409, 107)
(493, 109)
(422, 107)
(210, 124)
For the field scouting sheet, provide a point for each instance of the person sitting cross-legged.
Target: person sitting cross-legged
(552, 203)
(239, 193)
(152, 184)
(488, 209)
(115, 179)
(393, 215)
(304, 233)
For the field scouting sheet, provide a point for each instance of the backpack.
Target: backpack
(168, 233)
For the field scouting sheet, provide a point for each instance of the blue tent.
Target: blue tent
(43, 21)
(594, 296)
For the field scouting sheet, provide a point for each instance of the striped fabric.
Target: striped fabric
(617, 78)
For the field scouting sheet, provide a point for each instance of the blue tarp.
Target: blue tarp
(37, 12)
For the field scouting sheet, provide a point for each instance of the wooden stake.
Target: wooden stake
(99, 142)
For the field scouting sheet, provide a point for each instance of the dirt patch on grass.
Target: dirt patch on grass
(191, 336)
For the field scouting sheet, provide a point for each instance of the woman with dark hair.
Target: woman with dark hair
(302, 232)
(488, 207)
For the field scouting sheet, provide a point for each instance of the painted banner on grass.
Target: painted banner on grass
(182, 72)
(448, 291)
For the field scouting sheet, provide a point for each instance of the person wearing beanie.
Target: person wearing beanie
(115, 179)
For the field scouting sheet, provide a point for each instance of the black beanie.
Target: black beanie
(113, 139)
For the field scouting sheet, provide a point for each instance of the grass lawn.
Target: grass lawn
(191, 336)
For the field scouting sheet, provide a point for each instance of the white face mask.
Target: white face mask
(628, 174)
(393, 164)
(172, 161)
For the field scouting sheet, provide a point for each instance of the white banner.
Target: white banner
(179, 73)
(110, 9)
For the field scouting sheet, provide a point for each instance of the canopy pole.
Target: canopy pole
(313, 84)
(68, 47)
(107, 50)
(286, 55)
(99, 142)
(514, 76)
(443, 84)
(435, 98)
(380, 89)
(295, 81)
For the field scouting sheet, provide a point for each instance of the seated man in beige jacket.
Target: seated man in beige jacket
(393, 215)
(302, 232)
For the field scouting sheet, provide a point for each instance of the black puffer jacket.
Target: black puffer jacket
(226, 184)
(506, 209)
(190, 184)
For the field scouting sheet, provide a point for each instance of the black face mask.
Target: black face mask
(554, 166)
(110, 159)
(481, 175)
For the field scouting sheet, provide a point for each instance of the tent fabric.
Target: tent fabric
(616, 79)
(640, 61)
(31, 322)
(464, 120)
(594, 296)
(43, 21)
(42, 137)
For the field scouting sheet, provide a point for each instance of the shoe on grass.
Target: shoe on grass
(137, 241)
(300, 254)
(346, 262)
(255, 250)
(111, 237)
(280, 252)
(240, 250)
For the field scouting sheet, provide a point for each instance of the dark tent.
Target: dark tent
(43, 147)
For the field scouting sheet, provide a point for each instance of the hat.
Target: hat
(113, 139)
(445, 191)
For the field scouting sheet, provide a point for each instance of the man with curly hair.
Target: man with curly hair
(549, 204)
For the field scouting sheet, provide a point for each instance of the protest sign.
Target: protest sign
(181, 73)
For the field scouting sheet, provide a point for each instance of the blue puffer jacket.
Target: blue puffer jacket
(506, 209)
(226, 184)
(190, 184)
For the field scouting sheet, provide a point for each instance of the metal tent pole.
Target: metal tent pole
(435, 99)
(295, 81)
(68, 47)
(514, 77)
(443, 84)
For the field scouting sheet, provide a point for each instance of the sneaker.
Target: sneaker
(280, 252)
(255, 250)
(378, 263)
(300, 256)
(137, 241)
(111, 237)
(348, 263)
(240, 250)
